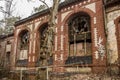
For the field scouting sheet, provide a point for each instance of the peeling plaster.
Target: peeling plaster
(113, 15)
(112, 42)
(100, 52)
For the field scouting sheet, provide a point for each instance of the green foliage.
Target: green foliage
(38, 9)
(7, 25)
(1, 30)
(4, 72)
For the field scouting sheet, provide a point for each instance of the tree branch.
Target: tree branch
(46, 5)
(2, 10)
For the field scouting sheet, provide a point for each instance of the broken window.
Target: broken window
(24, 37)
(43, 36)
(43, 44)
(79, 35)
(23, 45)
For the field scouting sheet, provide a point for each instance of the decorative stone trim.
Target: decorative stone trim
(62, 42)
(95, 36)
(56, 43)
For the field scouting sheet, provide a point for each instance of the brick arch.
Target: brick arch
(37, 30)
(37, 40)
(18, 40)
(40, 24)
(23, 29)
(85, 10)
(91, 14)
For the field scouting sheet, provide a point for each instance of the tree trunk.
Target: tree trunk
(52, 25)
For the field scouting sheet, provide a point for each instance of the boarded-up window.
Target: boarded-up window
(8, 48)
(23, 45)
(23, 55)
(79, 35)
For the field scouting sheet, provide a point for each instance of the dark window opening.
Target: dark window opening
(45, 57)
(8, 42)
(43, 36)
(8, 58)
(79, 38)
(24, 40)
(23, 46)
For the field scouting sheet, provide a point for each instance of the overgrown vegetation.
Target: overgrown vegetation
(8, 20)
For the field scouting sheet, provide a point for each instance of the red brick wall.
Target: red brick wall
(62, 55)
(117, 25)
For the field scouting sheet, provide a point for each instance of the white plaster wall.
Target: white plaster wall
(92, 7)
(111, 39)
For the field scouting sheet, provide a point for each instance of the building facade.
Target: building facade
(86, 39)
(79, 38)
(6, 49)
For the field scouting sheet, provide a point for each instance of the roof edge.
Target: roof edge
(46, 11)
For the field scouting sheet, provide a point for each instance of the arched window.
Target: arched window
(24, 40)
(43, 36)
(43, 44)
(79, 29)
(23, 45)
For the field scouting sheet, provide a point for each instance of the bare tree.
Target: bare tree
(50, 32)
(8, 20)
(48, 50)
(51, 25)
(38, 9)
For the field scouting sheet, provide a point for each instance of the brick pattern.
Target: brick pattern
(3, 53)
(117, 25)
(61, 52)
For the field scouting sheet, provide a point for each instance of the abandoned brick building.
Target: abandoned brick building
(86, 34)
